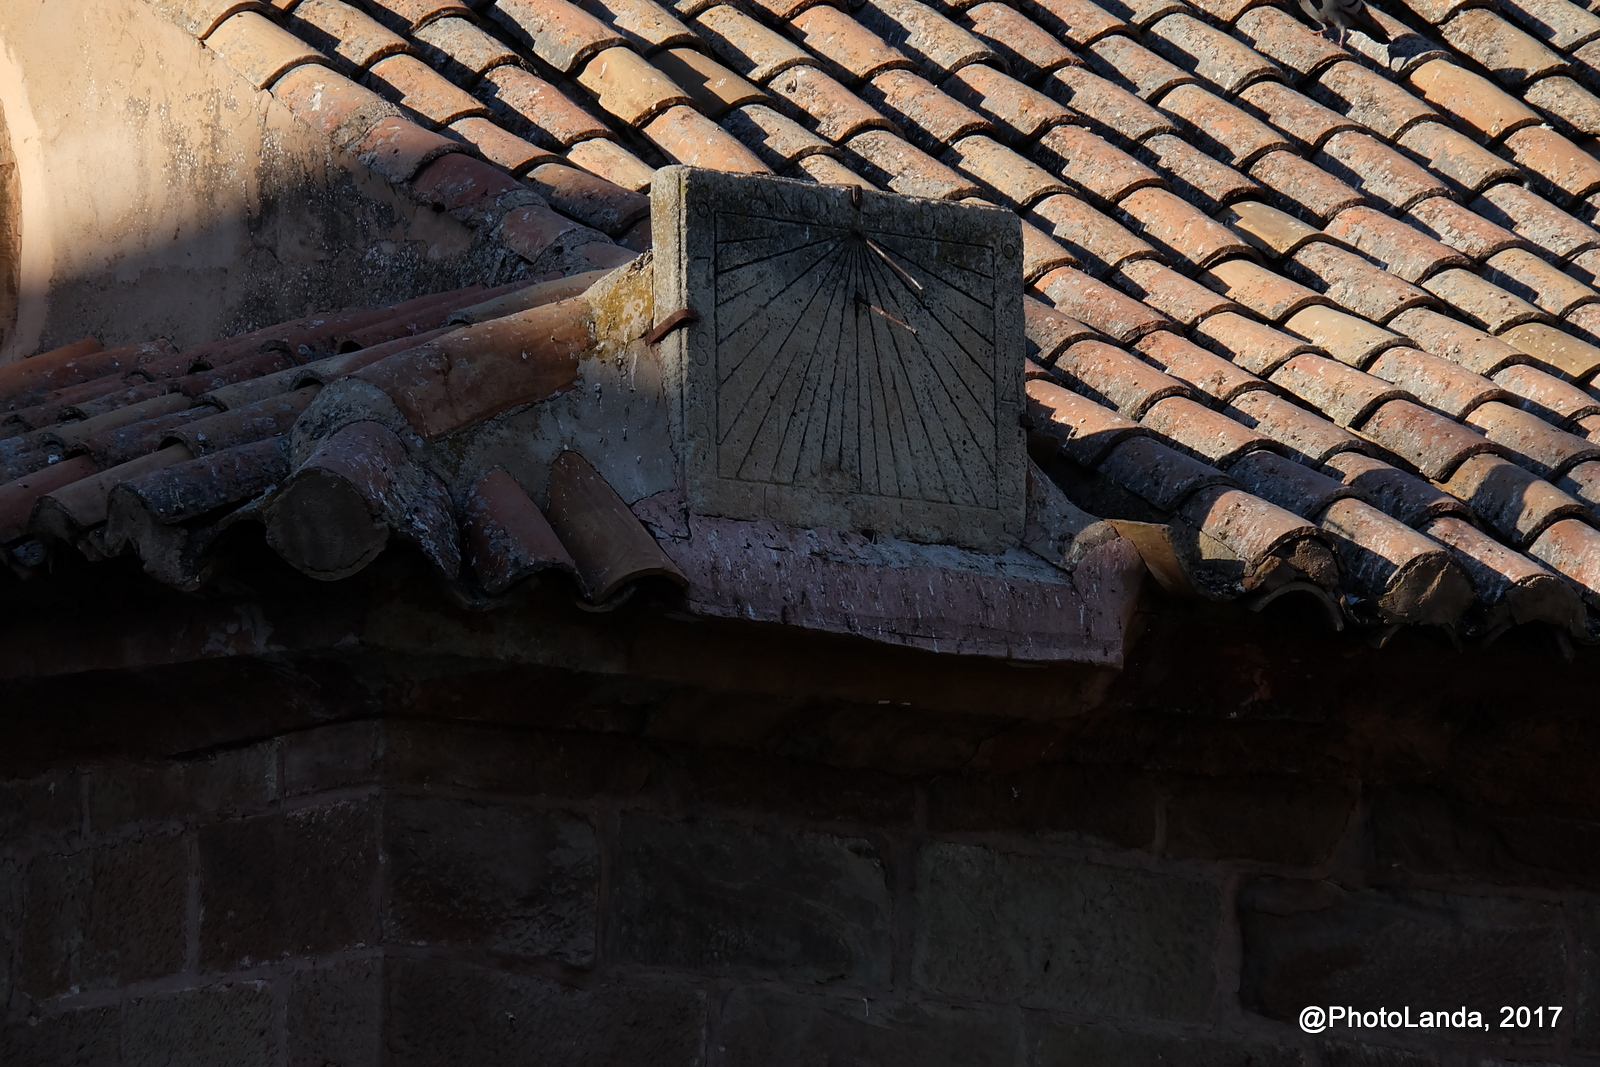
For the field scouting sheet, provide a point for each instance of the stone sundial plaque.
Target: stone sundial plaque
(856, 361)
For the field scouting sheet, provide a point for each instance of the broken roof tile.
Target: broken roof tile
(259, 49)
(1027, 48)
(1409, 576)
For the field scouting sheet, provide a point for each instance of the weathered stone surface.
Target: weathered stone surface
(1061, 1045)
(1343, 1054)
(330, 757)
(568, 764)
(1585, 920)
(335, 1016)
(733, 779)
(1310, 942)
(853, 361)
(777, 1029)
(1277, 820)
(1064, 934)
(508, 880)
(10, 905)
(733, 899)
(203, 1028)
(86, 1038)
(104, 917)
(232, 780)
(1100, 803)
(279, 885)
(38, 807)
(443, 1013)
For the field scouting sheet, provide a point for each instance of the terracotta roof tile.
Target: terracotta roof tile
(826, 170)
(68, 435)
(1572, 548)
(1049, 332)
(1145, 13)
(896, 164)
(855, 53)
(628, 87)
(1458, 157)
(1096, 304)
(508, 538)
(1108, 104)
(1180, 229)
(777, 139)
(835, 112)
(692, 139)
(1462, 229)
(1518, 589)
(1548, 396)
(1208, 434)
(414, 14)
(1269, 295)
(342, 32)
(1261, 533)
(1213, 55)
(397, 149)
(1371, 99)
(647, 25)
(1306, 435)
(1575, 109)
(1436, 382)
(259, 49)
(1195, 176)
(1307, 122)
(1027, 48)
(1583, 482)
(714, 88)
(1567, 170)
(462, 51)
(1398, 493)
(1304, 185)
(503, 149)
(935, 42)
(606, 159)
(930, 118)
(1517, 505)
(201, 17)
(1207, 372)
(1172, 294)
(1079, 21)
(476, 372)
(747, 46)
(1288, 484)
(1286, 39)
(1158, 472)
(1221, 128)
(1099, 243)
(407, 80)
(1481, 301)
(331, 103)
(18, 497)
(1227, 10)
(1473, 99)
(1083, 430)
(1269, 229)
(1023, 112)
(64, 514)
(1344, 394)
(1535, 218)
(1533, 278)
(1411, 577)
(1472, 348)
(1129, 62)
(1398, 248)
(1532, 442)
(537, 109)
(1378, 170)
(1429, 441)
(1014, 180)
(1584, 320)
(561, 34)
(1090, 162)
(1110, 376)
(782, 10)
(1559, 23)
(1510, 55)
(530, 231)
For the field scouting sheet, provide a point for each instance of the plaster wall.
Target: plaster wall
(161, 195)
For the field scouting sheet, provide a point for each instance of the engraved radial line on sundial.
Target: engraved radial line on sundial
(771, 249)
(912, 363)
(900, 397)
(810, 458)
(750, 290)
(972, 312)
(735, 347)
(789, 359)
(809, 398)
(931, 262)
(884, 439)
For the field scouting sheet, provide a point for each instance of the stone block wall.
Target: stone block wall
(411, 893)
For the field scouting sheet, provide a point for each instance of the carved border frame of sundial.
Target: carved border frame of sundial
(857, 359)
